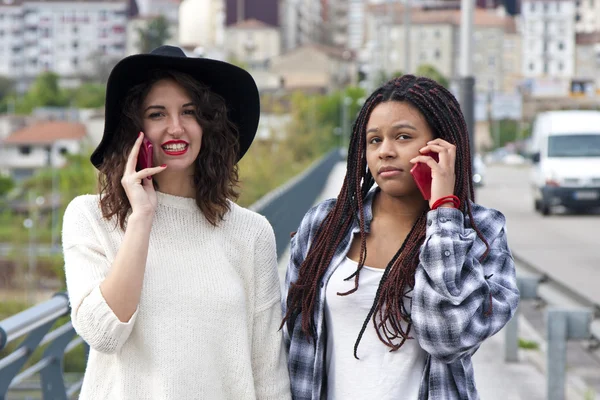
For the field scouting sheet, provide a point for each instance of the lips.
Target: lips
(389, 170)
(175, 147)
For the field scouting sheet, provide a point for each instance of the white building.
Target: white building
(253, 42)
(548, 39)
(202, 23)
(302, 22)
(40, 145)
(60, 36)
(587, 16)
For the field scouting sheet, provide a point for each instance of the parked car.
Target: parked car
(478, 170)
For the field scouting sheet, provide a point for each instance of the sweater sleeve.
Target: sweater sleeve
(86, 266)
(271, 379)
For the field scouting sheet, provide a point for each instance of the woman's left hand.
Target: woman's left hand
(442, 172)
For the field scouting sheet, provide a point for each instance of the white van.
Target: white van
(565, 148)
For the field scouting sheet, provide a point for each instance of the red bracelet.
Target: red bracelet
(446, 199)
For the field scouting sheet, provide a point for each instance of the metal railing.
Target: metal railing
(34, 325)
(569, 317)
(284, 207)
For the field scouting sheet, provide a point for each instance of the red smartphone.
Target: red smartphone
(145, 156)
(422, 175)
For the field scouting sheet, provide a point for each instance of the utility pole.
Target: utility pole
(240, 10)
(407, 6)
(467, 80)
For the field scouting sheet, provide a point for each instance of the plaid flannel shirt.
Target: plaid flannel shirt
(457, 302)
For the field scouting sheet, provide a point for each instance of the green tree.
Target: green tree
(6, 185)
(154, 35)
(89, 95)
(429, 71)
(6, 87)
(45, 92)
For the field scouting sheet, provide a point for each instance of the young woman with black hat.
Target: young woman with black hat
(173, 285)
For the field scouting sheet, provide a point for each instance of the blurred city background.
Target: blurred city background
(315, 62)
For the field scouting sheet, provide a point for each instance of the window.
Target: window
(75, 45)
(546, 68)
(560, 66)
(574, 145)
(531, 66)
(63, 151)
(492, 61)
(75, 61)
(561, 46)
(438, 54)
(25, 150)
(532, 7)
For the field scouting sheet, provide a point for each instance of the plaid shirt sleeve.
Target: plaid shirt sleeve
(458, 300)
(301, 351)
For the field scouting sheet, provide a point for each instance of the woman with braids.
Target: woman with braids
(389, 295)
(173, 286)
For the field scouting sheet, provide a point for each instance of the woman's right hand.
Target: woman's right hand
(139, 189)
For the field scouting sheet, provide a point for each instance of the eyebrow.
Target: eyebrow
(396, 126)
(164, 108)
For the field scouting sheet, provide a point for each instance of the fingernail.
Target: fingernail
(164, 165)
(140, 134)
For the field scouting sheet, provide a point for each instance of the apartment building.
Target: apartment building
(434, 39)
(548, 38)
(61, 36)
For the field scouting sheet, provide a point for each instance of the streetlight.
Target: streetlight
(467, 81)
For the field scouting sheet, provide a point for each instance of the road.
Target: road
(564, 246)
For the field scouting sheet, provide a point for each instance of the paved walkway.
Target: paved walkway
(496, 380)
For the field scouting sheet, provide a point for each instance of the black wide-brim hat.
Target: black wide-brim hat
(232, 83)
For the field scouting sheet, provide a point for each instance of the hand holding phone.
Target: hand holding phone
(421, 173)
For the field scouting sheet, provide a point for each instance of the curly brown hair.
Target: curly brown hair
(216, 171)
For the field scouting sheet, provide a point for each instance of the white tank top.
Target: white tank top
(379, 373)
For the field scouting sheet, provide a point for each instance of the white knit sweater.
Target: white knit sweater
(207, 323)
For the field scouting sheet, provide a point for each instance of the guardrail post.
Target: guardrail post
(562, 325)
(53, 384)
(528, 291)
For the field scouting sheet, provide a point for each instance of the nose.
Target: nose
(387, 149)
(175, 128)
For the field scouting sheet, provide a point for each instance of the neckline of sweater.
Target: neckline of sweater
(182, 203)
